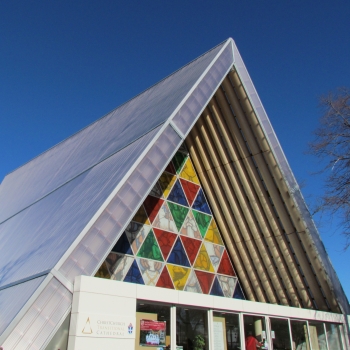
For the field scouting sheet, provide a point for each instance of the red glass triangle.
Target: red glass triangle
(170, 168)
(165, 240)
(191, 246)
(225, 266)
(205, 279)
(152, 206)
(164, 280)
(190, 190)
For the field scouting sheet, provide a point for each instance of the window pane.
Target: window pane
(226, 331)
(191, 328)
(153, 332)
(300, 335)
(334, 336)
(255, 332)
(317, 336)
(280, 336)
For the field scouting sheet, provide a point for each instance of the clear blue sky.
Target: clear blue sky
(63, 64)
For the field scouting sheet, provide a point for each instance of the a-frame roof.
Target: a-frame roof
(61, 213)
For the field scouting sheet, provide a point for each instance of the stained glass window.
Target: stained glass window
(173, 240)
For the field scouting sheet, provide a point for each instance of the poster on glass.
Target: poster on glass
(152, 333)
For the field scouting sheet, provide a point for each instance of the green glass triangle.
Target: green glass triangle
(202, 220)
(179, 214)
(150, 248)
(178, 161)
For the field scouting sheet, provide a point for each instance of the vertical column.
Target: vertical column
(268, 332)
(173, 328)
(241, 331)
(210, 330)
(290, 334)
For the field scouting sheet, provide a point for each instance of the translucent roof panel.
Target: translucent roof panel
(10, 305)
(35, 239)
(99, 140)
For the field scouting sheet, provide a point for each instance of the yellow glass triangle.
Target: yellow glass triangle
(213, 234)
(179, 275)
(141, 216)
(189, 173)
(166, 182)
(203, 261)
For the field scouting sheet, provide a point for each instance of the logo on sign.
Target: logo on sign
(130, 328)
(87, 328)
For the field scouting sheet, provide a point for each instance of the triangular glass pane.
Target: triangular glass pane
(190, 228)
(205, 280)
(213, 234)
(193, 284)
(156, 191)
(188, 172)
(238, 294)
(191, 246)
(103, 271)
(179, 213)
(150, 271)
(215, 252)
(170, 168)
(190, 190)
(225, 266)
(179, 275)
(141, 216)
(166, 182)
(164, 280)
(203, 261)
(134, 274)
(118, 265)
(123, 245)
(178, 161)
(227, 285)
(136, 234)
(216, 289)
(177, 194)
(203, 221)
(183, 148)
(165, 241)
(178, 255)
(200, 203)
(164, 219)
(150, 248)
(152, 206)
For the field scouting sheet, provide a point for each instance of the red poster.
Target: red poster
(152, 333)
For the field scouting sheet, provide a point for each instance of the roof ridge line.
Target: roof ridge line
(114, 109)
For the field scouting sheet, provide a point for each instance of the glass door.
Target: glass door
(255, 332)
(300, 335)
(280, 335)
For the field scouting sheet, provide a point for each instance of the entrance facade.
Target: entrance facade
(180, 320)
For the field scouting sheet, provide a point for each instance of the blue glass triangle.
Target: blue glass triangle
(238, 294)
(123, 245)
(178, 255)
(134, 274)
(216, 288)
(200, 203)
(177, 194)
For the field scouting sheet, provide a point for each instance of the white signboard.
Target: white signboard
(218, 336)
(105, 326)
